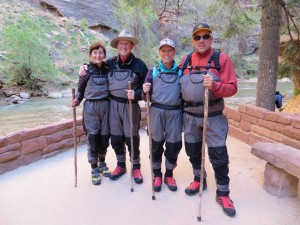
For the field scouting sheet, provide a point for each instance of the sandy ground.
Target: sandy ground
(43, 193)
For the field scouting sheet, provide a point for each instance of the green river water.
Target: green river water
(41, 111)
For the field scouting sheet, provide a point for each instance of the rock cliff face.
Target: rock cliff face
(97, 13)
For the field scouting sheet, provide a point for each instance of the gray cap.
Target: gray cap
(167, 41)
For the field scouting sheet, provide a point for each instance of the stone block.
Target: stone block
(67, 143)
(238, 134)
(280, 155)
(82, 139)
(284, 118)
(251, 119)
(3, 141)
(267, 133)
(32, 145)
(256, 111)
(59, 136)
(245, 125)
(30, 158)
(292, 142)
(233, 123)
(267, 124)
(7, 156)
(280, 183)
(271, 116)
(8, 166)
(296, 121)
(7, 148)
(234, 114)
(242, 108)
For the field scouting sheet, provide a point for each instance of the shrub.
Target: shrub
(25, 41)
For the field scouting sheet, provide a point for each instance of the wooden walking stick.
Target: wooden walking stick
(203, 150)
(150, 143)
(131, 136)
(74, 135)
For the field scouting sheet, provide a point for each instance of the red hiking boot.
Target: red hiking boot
(195, 187)
(171, 183)
(117, 173)
(227, 205)
(157, 184)
(137, 176)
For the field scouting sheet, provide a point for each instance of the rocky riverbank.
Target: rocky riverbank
(19, 95)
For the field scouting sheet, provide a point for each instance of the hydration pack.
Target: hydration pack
(215, 58)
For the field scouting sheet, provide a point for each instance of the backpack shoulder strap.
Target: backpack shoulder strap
(187, 60)
(215, 58)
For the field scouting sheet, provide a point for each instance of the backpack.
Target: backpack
(215, 58)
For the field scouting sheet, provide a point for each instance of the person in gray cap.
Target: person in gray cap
(207, 68)
(123, 68)
(162, 83)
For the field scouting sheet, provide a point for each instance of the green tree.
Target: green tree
(25, 41)
(83, 25)
(268, 53)
(136, 17)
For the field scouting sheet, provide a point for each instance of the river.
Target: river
(41, 111)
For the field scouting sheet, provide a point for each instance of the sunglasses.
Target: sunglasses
(204, 37)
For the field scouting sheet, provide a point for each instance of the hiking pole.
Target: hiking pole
(203, 150)
(150, 143)
(75, 137)
(131, 136)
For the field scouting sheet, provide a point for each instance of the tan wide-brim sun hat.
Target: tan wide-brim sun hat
(124, 36)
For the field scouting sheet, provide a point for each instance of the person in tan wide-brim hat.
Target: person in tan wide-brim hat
(122, 68)
(126, 36)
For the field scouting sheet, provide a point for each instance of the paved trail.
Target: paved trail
(43, 193)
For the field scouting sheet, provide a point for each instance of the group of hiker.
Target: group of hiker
(177, 105)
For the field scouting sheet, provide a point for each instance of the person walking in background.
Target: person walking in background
(278, 100)
(163, 84)
(94, 88)
(207, 68)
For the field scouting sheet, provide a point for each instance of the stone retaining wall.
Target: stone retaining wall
(247, 123)
(27, 146)
(251, 124)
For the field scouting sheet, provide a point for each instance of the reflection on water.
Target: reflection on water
(44, 111)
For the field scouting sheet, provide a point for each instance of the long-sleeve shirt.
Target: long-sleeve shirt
(134, 64)
(84, 79)
(228, 85)
(153, 73)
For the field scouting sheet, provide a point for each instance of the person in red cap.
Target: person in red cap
(163, 85)
(207, 68)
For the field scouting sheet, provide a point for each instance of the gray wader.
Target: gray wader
(217, 128)
(166, 121)
(96, 118)
(120, 117)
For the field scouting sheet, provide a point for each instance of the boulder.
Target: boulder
(95, 12)
(55, 95)
(24, 95)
